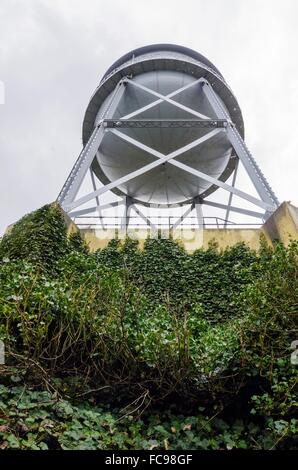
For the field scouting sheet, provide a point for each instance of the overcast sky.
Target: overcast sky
(53, 54)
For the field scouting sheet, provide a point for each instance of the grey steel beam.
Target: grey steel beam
(167, 123)
(170, 158)
(127, 208)
(169, 100)
(157, 102)
(89, 210)
(96, 198)
(221, 184)
(197, 205)
(192, 171)
(140, 214)
(259, 215)
(183, 216)
(200, 217)
(258, 179)
(80, 168)
(66, 198)
(161, 159)
(231, 194)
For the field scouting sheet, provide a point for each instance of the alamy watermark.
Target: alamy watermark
(153, 223)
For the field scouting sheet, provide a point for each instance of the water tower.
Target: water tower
(163, 129)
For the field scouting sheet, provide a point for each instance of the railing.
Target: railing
(159, 222)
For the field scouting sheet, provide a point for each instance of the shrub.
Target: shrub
(38, 420)
(158, 326)
(39, 237)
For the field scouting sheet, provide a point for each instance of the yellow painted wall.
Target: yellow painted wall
(282, 225)
(191, 239)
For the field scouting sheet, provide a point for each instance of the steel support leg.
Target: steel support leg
(197, 205)
(258, 179)
(238, 210)
(146, 219)
(127, 209)
(183, 216)
(97, 199)
(231, 194)
(85, 159)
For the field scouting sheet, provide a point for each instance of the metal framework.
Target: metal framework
(158, 123)
(266, 201)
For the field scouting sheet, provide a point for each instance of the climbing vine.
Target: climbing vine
(149, 329)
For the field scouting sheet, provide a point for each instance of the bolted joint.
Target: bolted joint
(124, 80)
(196, 200)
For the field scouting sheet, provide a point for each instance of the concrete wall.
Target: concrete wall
(71, 226)
(191, 239)
(282, 225)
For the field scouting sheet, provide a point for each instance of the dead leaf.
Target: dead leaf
(23, 427)
(186, 427)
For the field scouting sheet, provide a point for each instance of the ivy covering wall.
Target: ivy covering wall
(182, 350)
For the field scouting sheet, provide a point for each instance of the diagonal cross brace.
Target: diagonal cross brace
(231, 194)
(96, 198)
(161, 159)
(157, 102)
(169, 158)
(140, 214)
(183, 216)
(89, 210)
(167, 98)
(258, 179)
(267, 197)
(259, 215)
(238, 210)
(84, 161)
(188, 169)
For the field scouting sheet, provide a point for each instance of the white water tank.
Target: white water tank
(163, 68)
